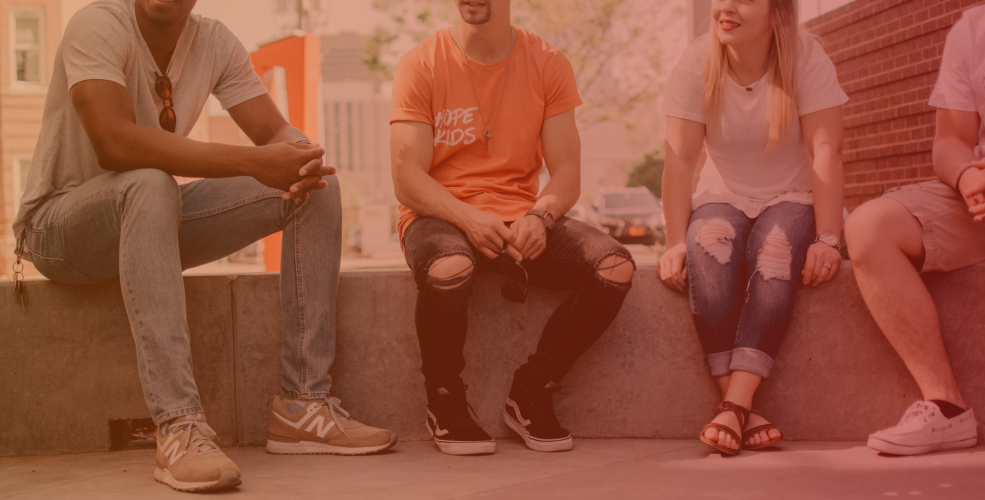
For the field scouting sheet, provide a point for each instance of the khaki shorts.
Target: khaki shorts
(951, 237)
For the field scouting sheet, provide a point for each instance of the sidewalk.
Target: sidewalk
(596, 469)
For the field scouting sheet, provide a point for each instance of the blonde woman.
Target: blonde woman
(764, 101)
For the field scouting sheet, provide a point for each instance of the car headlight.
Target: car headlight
(611, 221)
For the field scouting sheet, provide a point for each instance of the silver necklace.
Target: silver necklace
(739, 81)
(487, 131)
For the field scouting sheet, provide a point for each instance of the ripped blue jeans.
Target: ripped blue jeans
(742, 275)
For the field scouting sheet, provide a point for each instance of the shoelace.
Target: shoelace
(334, 409)
(919, 409)
(541, 407)
(204, 441)
(454, 416)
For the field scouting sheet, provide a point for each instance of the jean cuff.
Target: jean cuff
(164, 417)
(752, 361)
(718, 363)
(304, 395)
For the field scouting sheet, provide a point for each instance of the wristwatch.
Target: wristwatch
(832, 240)
(545, 216)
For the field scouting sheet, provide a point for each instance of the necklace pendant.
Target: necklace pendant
(485, 137)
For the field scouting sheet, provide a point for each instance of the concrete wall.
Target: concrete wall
(67, 364)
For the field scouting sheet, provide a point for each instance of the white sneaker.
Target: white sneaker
(924, 429)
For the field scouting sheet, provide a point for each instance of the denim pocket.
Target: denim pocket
(60, 271)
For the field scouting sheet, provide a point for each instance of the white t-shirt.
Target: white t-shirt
(103, 42)
(739, 171)
(961, 81)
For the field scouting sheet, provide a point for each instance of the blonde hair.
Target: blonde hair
(781, 62)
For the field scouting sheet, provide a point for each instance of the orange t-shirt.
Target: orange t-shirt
(431, 85)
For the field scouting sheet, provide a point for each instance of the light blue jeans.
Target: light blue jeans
(141, 227)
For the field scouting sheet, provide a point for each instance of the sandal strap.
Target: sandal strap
(724, 428)
(762, 428)
(741, 413)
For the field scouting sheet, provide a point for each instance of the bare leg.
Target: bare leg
(885, 242)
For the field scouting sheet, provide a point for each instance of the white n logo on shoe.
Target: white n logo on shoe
(172, 451)
(318, 422)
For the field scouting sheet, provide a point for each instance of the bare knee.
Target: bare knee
(617, 269)
(882, 226)
(448, 273)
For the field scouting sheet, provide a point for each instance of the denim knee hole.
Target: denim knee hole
(776, 256)
(715, 238)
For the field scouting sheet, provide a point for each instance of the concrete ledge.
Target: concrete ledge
(68, 366)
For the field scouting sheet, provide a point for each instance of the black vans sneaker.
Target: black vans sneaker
(453, 429)
(530, 412)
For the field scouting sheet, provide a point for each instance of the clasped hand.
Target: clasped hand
(296, 169)
(972, 187)
(525, 239)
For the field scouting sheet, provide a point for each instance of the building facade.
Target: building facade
(887, 53)
(29, 34)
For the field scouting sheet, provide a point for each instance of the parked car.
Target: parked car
(579, 212)
(631, 215)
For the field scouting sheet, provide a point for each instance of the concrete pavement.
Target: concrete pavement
(618, 468)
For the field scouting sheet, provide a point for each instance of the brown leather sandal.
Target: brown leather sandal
(741, 414)
(761, 428)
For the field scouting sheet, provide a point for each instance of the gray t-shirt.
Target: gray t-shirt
(103, 42)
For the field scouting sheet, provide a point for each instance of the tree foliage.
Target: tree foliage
(613, 45)
(648, 172)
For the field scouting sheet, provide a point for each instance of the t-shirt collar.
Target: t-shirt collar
(181, 50)
(485, 67)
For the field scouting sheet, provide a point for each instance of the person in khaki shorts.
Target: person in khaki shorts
(937, 225)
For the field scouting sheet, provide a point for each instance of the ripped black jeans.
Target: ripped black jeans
(574, 252)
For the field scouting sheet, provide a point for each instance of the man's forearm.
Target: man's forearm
(139, 147)
(952, 157)
(289, 134)
(419, 192)
(560, 194)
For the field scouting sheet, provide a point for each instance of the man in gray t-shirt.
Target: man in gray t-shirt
(130, 79)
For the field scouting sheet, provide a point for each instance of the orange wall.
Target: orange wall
(300, 56)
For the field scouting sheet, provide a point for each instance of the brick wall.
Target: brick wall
(887, 53)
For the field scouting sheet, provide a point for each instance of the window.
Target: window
(21, 166)
(348, 124)
(27, 31)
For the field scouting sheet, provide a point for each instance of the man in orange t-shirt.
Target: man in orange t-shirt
(477, 110)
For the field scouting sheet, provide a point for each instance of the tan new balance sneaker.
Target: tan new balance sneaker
(188, 459)
(321, 426)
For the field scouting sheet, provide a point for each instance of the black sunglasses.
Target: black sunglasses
(515, 290)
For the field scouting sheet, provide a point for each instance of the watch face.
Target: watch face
(830, 239)
(549, 220)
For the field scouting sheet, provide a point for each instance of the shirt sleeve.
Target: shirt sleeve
(817, 85)
(954, 88)
(684, 95)
(562, 89)
(238, 81)
(412, 90)
(96, 46)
